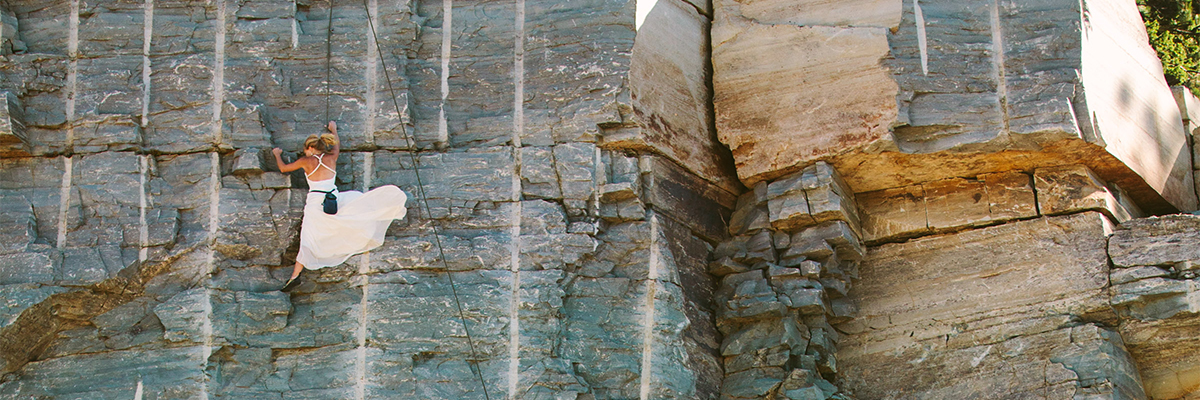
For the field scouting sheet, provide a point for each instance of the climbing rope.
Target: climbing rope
(328, 56)
(412, 143)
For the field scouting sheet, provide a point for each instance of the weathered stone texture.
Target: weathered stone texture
(700, 205)
(958, 203)
(34, 105)
(265, 225)
(13, 139)
(10, 36)
(41, 26)
(1075, 188)
(177, 231)
(1158, 241)
(926, 91)
(668, 85)
(773, 123)
(1154, 289)
(1189, 109)
(594, 58)
(1143, 121)
(784, 276)
(815, 195)
(982, 303)
(1072, 362)
(946, 205)
(634, 270)
(1011, 252)
(180, 117)
(170, 373)
(969, 157)
(31, 189)
(818, 12)
(108, 197)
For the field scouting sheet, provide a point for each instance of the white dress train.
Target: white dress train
(359, 225)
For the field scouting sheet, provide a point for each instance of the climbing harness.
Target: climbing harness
(412, 143)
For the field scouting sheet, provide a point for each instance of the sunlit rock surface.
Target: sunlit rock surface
(900, 93)
(570, 186)
(616, 199)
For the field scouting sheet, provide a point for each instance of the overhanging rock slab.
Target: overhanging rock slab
(940, 89)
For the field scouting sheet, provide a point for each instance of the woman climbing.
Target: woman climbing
(360, 221)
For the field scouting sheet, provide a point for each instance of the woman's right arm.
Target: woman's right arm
(337, 145)
(285, 167)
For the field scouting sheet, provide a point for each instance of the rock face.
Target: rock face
(900, 93)
(570, 191)
(1154, 289)
(1189, 108)
(785, 275)
(674, 199)
(1036, 296)
(1009, 292)
(12, 126)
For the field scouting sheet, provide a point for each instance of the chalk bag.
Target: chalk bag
(330, 203)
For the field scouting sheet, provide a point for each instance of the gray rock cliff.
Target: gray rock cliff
(608, 199)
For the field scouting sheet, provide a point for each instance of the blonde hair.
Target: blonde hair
(324, 143)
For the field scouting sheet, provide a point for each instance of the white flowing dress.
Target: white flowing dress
(359, 225)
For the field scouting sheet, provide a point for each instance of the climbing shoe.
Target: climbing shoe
(291, 284)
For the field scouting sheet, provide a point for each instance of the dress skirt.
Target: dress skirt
(359, 225)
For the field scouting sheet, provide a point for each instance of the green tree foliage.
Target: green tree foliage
(1174, 28)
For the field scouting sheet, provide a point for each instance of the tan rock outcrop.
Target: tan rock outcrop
(895, 96)
(669, 88)
(876, 13)
(559, 159)
(958, 203)
(946, 205)
(1074, 188)
(771, 85)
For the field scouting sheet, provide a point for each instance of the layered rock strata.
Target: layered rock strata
(568, 168)
(983, 304)
(1154, 290)
(916, 190)
(975, 278)
(1083, 300)
(901, 93)
(785, 273)
(956, 204)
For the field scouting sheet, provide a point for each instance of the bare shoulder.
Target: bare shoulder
(308, 163)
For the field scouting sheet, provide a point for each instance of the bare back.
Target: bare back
(320, 168)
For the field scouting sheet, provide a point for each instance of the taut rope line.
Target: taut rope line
(425, 200)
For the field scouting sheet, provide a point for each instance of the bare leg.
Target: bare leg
(292, 283)
(296, 270)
